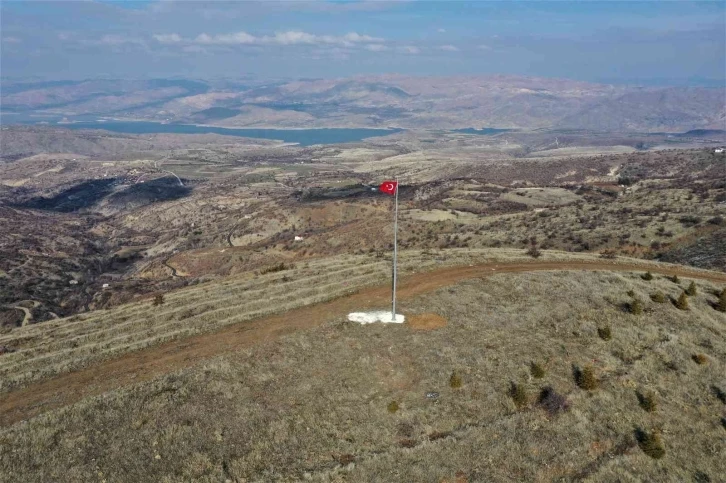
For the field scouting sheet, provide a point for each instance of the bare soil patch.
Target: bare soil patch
(425, 322)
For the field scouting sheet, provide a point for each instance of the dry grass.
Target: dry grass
(69, 344)
(314, 404)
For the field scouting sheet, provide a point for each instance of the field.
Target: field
(318, 404)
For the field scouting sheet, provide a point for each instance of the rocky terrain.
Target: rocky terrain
(155, 212)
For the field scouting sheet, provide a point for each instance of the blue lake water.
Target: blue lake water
(303, 137)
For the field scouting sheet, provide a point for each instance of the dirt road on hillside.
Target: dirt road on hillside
(146, 364)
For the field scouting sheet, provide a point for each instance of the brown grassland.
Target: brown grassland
(314, 404)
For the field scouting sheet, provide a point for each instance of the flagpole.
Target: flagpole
(395, 253)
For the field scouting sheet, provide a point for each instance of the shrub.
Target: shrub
(691, 290)
(605, 333)
(552, 402)
(636, 307)
(682, 302)
(436, 435)
(675, 279)
(407, 443)
(536, 370)
(650, 443)
(608, 254)
(721, 304)
(658, 298)
(647, 276)
(647, 401)
(277, 268)
(455, 380)
(518, 395)
(533, 251)
(158, 299)
(585, 378)
(700, 359)
(345, 459)
(630, 293)
(719, 393)
(393, 407)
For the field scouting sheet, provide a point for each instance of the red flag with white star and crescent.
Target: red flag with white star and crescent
(388, 187)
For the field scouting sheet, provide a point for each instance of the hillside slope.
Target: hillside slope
(317, 404)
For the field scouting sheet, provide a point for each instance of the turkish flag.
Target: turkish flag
(388, 187)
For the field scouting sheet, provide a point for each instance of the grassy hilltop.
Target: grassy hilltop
(540, 376)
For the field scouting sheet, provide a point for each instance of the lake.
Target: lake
(303, 137)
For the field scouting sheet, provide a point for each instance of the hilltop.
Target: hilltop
(314, 397)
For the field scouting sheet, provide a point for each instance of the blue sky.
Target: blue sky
(653, 42)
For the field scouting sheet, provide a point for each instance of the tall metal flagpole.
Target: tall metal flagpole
(395, 253)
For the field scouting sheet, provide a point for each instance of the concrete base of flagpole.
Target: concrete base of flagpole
(377, 316)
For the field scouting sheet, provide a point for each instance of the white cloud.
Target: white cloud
(294, 37)
(11, 40)
(168, 38)
(449, 48)
(226, 39)
(483, 47)
(409, 49)
(441, 31)
(355, 37)
(291, 37)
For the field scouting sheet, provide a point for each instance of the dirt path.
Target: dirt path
(152, 362)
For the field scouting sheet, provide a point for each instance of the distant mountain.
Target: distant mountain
(512, 102)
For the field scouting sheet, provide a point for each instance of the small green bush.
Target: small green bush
(630, 293)
(721, 304)
(158, 300)
(650, 443)
(700, 359)
(533, 251)
(719, 393)
(658, 298)
(518, 395)
(682, 302)
(605, 333)
(647, 276)
(691, 290)
(393, 407)
(455, 380)
(647, 401)
(675, 279)
(536, 370)
(636, 307)
(585, 378)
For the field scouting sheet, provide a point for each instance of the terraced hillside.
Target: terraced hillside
(340, 402)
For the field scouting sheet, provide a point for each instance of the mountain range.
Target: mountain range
(500, 101)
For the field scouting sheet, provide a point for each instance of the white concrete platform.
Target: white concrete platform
(378, 316)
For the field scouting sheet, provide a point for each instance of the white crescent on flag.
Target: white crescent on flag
(388, 187)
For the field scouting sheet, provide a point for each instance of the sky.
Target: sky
(647, 43)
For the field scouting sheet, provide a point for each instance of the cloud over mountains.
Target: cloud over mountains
(290, 37)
